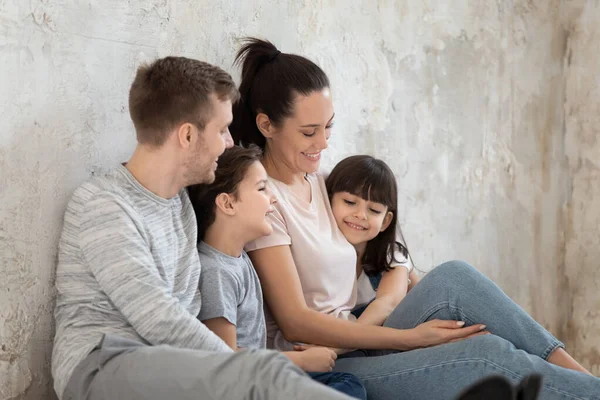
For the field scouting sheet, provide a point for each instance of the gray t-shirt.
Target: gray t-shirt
(127, 266)
(230, 289)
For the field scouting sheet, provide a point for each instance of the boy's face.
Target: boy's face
(254, 203)
(359, 220)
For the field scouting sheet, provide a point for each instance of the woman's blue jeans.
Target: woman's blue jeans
(517, 346)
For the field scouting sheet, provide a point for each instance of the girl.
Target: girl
(307, 268)
(230, 212)
(364, 201)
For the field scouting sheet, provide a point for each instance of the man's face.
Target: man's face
(210, 144)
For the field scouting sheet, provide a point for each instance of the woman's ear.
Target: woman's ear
(264, 125)
(386, 221)
(225, 203)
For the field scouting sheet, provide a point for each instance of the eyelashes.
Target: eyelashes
(352, 203)
(328, 127)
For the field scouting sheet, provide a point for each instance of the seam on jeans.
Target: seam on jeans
(431, 310)
(555, 344)
(466, 361)
(443, 364)
(436, 307)
(469, 321)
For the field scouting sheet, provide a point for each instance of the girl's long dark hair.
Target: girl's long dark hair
(373, 180)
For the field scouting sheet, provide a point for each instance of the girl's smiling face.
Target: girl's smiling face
(360, 220)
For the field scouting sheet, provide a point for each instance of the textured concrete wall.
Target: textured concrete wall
(582, 214)
(463, 98)
(465, 102)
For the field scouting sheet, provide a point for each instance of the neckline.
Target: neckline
(207, 247)
(142, 189)
(307, 204)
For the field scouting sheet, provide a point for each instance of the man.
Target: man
(128, 268)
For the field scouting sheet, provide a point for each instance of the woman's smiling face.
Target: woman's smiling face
(301, 138)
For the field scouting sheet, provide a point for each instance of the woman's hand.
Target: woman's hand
(434, 332)
(313, 359)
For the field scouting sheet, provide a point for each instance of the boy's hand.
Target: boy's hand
(302, 347)
(314, 359)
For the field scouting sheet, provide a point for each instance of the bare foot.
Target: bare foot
(563, 359)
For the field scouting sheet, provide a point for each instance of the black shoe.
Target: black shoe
(500, 388)
(491, 388)
(529, 388)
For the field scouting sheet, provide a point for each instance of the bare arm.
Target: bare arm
(392, 289)
(316, 359)
(283, 293)
(223, 329)
(414, 279)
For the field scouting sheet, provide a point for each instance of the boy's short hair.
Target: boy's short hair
(175, 90)
(233, 166)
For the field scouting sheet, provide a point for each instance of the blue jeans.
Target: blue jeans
(342, 382)
(518, 345)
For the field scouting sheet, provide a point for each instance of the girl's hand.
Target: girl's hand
(314, 359)
(434, 332)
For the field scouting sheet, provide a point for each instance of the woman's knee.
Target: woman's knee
(455, 270)
(488, 347)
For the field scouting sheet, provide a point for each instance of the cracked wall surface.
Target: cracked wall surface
(465, 100)
(582, 214)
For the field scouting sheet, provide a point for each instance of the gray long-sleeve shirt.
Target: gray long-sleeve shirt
(127, 266)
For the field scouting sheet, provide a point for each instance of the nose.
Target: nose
(228, 140)
(360, 213)
(272, 198)
(323, 138)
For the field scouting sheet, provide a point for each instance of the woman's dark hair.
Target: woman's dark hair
(233, 166)
(371, 179)
(270, 81)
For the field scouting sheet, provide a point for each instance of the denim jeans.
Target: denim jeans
(342, 382)
(516, 347)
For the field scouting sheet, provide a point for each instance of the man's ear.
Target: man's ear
(386, 221)
(225, 203)
(264, 125)
(185, 134)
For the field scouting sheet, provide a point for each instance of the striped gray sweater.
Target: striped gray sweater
(127, 266)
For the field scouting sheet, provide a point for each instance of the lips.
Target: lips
(312, 156)
(355, 226)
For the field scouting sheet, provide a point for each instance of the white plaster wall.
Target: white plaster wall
(463, 99)
(582, 214)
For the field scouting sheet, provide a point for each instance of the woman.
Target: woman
(307, 268)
